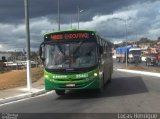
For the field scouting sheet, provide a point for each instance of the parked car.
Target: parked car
(151, 60)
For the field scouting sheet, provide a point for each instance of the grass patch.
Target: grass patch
(18, 78)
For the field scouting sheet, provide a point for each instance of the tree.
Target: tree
(158, 39)
(144, 40)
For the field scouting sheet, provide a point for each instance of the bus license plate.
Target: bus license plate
(70, 85)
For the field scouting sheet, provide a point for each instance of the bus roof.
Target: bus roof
(71, 30)
(75, 30)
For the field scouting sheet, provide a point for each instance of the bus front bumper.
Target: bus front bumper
(73, 85)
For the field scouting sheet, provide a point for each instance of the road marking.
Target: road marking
(140, 72)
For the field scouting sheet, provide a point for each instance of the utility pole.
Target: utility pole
(29, 80)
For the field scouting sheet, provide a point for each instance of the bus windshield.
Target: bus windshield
(136, 52)
(70, 55)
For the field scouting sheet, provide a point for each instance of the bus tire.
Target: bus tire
(100, 90)
(101, 87)
(60, 92)
(110, 78)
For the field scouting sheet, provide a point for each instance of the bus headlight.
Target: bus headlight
(95, 74)
(100, 73)
(46, 76)
(130, 55)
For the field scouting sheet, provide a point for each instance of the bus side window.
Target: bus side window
(101, 50)
(100, 46)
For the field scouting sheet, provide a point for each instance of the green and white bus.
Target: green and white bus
(76, 60)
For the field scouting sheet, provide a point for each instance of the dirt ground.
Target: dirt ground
(141, 68)
(17, 78)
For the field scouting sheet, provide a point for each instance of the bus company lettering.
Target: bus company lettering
(70, 36)
(59, 76)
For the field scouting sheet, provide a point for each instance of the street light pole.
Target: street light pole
(125, 24)
(58, 17)
(126, 42)
(71, 22)
(78, 17)
(78, 11)
(29, 80)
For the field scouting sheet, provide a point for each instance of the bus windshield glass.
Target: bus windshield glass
(70, 55)
(137, 52)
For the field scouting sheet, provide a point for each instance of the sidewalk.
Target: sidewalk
(18, 93)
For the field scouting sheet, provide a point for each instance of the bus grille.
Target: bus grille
(69, 79)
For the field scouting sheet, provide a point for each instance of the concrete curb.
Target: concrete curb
(140, 72)
(23, 96)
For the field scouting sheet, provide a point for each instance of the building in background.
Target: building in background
(4, 56)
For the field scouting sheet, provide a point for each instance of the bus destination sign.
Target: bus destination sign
(67, 36)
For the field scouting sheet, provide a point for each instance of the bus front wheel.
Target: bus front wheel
(101, 86)
(110, 78)
(60, 92)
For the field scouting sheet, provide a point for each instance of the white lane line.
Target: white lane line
(140, 72)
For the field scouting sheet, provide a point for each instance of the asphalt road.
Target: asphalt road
(126, 93)
(149, 68)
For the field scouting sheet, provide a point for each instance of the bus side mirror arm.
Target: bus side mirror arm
(41, 52)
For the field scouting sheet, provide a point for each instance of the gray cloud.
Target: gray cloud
(13, 11)
(143, 19)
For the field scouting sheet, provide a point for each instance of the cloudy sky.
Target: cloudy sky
(116, 20)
